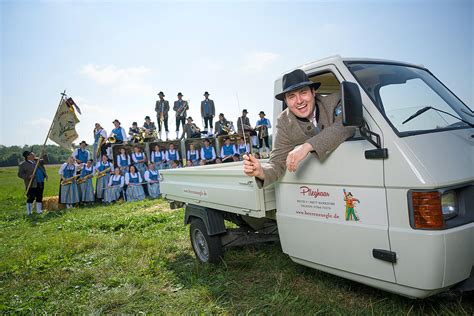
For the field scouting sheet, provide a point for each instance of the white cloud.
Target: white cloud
(257, 62)
(111, 75)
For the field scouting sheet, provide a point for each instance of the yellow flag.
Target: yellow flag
(63, 131)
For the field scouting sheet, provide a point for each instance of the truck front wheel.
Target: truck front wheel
(207, 248)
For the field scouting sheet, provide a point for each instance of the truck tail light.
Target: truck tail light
(427, 211)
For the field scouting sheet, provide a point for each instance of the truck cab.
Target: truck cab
(392, 207)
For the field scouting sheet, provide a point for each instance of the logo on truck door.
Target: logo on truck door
(351, 202)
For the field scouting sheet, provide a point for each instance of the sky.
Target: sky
(113, 57)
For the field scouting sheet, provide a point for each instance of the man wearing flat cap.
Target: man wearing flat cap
(208, 112)
(180, 106)
(26, 171)
(162, 108)
(311, 123)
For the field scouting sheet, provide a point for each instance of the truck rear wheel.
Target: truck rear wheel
(208, 249)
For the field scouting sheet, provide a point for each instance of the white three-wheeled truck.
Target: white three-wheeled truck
(392, 207)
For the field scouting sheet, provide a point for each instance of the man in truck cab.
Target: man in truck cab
(311, 123)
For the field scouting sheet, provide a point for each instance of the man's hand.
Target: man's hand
(297, 155)
(252, 167)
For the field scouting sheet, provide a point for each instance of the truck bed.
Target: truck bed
(221, 186)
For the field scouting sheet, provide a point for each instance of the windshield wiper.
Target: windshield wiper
(426, 108)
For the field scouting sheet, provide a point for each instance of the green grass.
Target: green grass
(136, 257)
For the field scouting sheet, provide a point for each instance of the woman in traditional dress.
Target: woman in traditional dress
(170, 155)
(123, 161)
(192, 154)
(85, 186)
(102, 172)
(133, 180)
(139, 160)
(115, 187)
(158, 157)
(69, 191)
(152, 180)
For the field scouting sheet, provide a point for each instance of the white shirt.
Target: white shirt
(107, 165)
(167, 157)
(147, 175)
(128, 175)
(195, 152)
(102, 133)
(123, 157)
(122, 131)
(246, 146)
(213, 152)
(135, 159)
(115, 178)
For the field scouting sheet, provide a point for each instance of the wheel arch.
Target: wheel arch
(213, 219)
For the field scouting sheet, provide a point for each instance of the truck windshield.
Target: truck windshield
(399, 91)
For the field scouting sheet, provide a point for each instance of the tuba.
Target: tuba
(99, 145)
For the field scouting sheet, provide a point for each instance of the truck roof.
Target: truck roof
(337, 59)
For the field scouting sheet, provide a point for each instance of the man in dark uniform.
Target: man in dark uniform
(207, 112)
(162, 107)
(180, 106)
(26, 171)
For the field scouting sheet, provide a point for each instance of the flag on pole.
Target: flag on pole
(63, 131)
(71, 103)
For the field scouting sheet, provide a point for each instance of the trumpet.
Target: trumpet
(69, 180)
(103, 173)
(84, 179)
(112, 139)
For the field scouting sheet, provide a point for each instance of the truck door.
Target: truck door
(332, 214)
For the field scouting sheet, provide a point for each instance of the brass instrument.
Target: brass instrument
(99, 145)
(262, 131)
(182, 108)
(69, 180)
(228, 127)
(138, 137)
(84, 179)
(103, 173)
(112, 139)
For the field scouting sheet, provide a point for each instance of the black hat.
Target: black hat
(189, 118)
(206, 93)
(226, 138)
(161, 93)
(221, 114)
(147, 118)
(116, 121)
(295, 80)
(245, 110)
(261, 112)
(26, 153)
(134, 123)
(180, 94)
(83, 142)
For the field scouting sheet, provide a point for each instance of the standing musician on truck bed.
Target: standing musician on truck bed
(311, 123)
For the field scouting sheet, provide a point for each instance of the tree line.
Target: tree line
(12, 155)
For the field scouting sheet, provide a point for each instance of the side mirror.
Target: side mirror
(351, 105)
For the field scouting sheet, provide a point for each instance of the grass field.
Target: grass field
(136, 258)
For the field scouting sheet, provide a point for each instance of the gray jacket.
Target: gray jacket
(292, 131)
(26, 168)
(176, 108)
(212, 110)
(166, 108)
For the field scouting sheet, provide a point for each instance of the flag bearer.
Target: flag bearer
(35, 191)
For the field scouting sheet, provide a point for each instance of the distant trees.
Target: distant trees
(12, 155)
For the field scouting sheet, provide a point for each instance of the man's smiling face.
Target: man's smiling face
(301, 102)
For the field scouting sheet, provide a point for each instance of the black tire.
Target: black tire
(208, 249)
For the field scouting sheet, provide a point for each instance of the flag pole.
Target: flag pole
(44, 144)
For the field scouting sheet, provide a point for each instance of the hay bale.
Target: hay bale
(51, 203)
